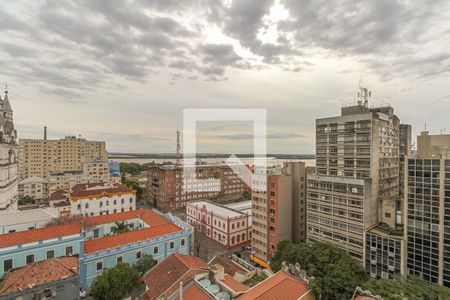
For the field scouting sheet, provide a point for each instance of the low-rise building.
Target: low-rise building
(54, 278)
(96, 199)
(229, 227)
(24, 220)
(34, 187)
(94, 241)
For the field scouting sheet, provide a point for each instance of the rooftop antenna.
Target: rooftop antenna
(363, 95)
(178, 147)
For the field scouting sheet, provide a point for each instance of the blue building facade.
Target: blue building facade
(94, 262)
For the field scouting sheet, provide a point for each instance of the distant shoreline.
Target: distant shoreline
(113, 155)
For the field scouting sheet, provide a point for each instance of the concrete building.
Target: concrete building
(24, 220)
(229, 227)
(54, 278)
(35, 187)
(8, 157)
(165, 186)
(279, 212)
(40, 157)
(92, 239)
(405, 138)
(357, 174)
(433, 146)
(96, 199)
(427, 198)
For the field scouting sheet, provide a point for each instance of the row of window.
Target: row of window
(29, 259)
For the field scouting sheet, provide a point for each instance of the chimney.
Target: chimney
(45, 133)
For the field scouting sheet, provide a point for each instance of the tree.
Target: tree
(336, 274)
(247, 195)
(145, 263)
(25, 200)
(115, 283)
(400, 288)
(120, 227)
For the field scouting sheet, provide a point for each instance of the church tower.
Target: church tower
(8, 157)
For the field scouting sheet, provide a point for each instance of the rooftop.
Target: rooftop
(39, 273)
(229, 266)
(167, 273)
(96, 189)
(109, 242)
(279, 286)
(195, 291)
(217, 209)
(233, 284)
(25, 216)
(240, 206)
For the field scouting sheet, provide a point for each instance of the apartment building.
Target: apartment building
(42, 157)
(227, 226)
(357, 173)
(433, 146)
(165, 186)
(279, 211)
(34, 187)
(8, 157)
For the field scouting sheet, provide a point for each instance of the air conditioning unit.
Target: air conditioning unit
(354, 190)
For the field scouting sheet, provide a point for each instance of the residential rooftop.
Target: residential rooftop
(39, 273)
(25, 216)
(278, 286)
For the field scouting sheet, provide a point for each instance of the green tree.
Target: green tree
(399, 288)
(120, 227)
(115, 283)
(25, 200)
(145, 263)
(247, 195)
(336, 274)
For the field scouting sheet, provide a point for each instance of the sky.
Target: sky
(122, 71)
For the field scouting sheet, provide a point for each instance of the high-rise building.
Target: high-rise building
(42, 157)
(165, 186)
(8, 157)
(427, 212)
(279, 210)
(433, 146)
(357, 175)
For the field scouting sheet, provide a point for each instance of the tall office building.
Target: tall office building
(357, 175)
(278, 210)
(428, 219)
(8, 157)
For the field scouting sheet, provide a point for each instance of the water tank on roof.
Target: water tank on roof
(223, 296)
(205, 282)
(213, 289)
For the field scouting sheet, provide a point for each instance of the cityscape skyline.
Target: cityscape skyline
(130, 90)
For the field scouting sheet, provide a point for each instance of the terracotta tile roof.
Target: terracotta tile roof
(58, 195)
(168, 272)
(278, 286)
(39, 273)
(233, 284)
(150, 217)
(112, 241)
(34, 235)
(196, 292)
(95, 189)
(230, 267)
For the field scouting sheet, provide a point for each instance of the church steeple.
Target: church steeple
(7, 109)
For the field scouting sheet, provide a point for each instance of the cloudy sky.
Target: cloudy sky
(124, 70)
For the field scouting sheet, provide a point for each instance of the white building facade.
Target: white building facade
(101, 199)
(8, 158)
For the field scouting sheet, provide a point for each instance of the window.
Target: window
(138, 255)
(50, 254)
(119, 259)
(172, 245)
(79, 206)
(115, 202)
(155, 250)
(96, 233)
(131, 200)
(69, 251)
(30, 259)
(86, 205)
(182, 242)
(7, 265)
(30, 228)
(107, 202)
(122, 201)
(387, 215)
(99, 266)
